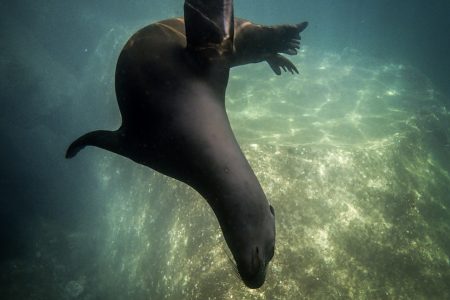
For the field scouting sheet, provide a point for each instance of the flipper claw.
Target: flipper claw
(278, 62)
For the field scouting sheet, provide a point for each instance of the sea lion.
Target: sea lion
(170, 80)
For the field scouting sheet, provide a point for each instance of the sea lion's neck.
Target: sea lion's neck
(236, 197)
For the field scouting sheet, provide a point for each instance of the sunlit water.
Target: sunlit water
(353, 153)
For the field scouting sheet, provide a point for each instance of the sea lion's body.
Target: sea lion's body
(171, 93)
(169, 104)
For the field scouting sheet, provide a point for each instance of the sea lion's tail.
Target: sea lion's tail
(107, 140)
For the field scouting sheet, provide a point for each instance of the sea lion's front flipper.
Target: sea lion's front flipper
(209, 25)
(108, 140)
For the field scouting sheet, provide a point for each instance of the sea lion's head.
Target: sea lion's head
(253, 247)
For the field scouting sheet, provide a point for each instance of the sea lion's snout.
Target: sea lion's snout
(253, 271)
(253, 257)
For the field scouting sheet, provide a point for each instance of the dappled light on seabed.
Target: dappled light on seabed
(353, 154)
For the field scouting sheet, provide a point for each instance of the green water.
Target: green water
(353, 153)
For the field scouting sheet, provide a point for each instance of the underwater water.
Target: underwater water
(353, 153)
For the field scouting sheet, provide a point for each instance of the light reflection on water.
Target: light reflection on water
(351, 153)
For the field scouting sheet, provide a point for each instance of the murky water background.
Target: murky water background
(353, 153)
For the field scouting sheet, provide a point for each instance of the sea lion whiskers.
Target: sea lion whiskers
(232, 263)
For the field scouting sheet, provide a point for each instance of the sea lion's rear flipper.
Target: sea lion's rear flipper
(255, 43)
(278, 62)
(209, 25)
(108, 140)
(287, 38)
